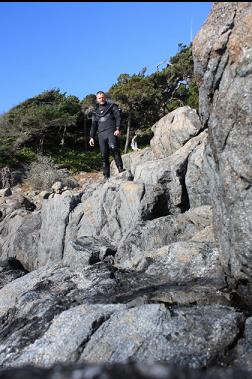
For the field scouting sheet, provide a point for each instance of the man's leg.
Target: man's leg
(115, 149)
(103, 143)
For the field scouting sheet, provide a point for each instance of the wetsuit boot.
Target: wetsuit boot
(115, 149)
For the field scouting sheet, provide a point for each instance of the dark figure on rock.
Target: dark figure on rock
(106, 121)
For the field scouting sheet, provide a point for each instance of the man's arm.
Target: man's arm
(117, 116)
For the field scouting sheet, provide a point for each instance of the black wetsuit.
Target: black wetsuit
(105, 120)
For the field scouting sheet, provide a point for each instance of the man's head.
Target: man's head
(101, 97)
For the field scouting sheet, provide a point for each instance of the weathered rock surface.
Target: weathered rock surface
(190, 270)
(152, 331)
(52, 233)
(170, 173)
(161, 231)
(57, 309)
(174, 130)
(131, 160)
(242, 353)
(5, 192)
(133, 370)
(112, 209)
(182, 261)
(137, 269)
(223, 65)
(66, 336)
(19, 235)
(29, 304)
(196, 181)
(9, 271)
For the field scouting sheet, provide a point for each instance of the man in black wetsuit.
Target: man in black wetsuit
(106, 122)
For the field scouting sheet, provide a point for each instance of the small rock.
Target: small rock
(67, 193)
(57, 187)
(126, 174)
(5, 192)
(44, 194)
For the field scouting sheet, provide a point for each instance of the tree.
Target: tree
(43, 119)
(135, 95)
(176, 81)
(87, 106)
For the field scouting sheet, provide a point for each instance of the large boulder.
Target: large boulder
(9, 271)
(55, 218)
(151, 331)
(29, 306)
(170, 173)
(150, 234)
(55, 314)
(131, 160)
(19, 231)
(115, 207)
(196, 181)
(241, 356)
(66, 336)
(222, 53)
(172, 131)
(182, 261)
(135, 370)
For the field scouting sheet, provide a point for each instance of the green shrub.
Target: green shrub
(26, 155)
(77, 161)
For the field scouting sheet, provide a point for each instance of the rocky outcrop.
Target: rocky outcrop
(137, 269)
(172, 131)
(223, 66)
(152, 331)
(131, 160)
(170, 173)
(134, 370)
(148, 235)
(60, 310)
(196, 180)
(19, 231)
(53, 229)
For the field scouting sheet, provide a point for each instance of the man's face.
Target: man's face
(101, 98)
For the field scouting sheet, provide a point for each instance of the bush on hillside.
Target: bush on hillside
(43, 173)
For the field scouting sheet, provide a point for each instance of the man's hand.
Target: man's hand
(91, 142)
(117, 133)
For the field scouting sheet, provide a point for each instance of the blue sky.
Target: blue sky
(82, 47)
